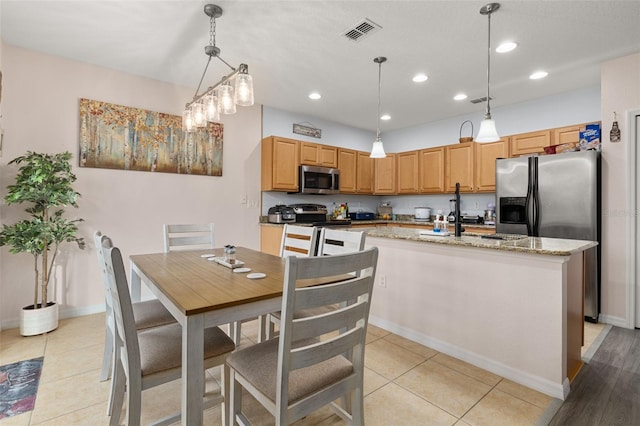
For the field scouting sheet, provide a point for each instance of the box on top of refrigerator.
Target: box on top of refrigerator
(590, 137)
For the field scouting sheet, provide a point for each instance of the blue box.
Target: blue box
(590, 137)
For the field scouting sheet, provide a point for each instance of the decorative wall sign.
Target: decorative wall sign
(301, 129)
(120, 137)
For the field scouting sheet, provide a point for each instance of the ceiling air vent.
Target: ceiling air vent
(361, 30)
(478, 100)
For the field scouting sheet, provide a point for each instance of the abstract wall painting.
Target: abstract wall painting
(126, 138)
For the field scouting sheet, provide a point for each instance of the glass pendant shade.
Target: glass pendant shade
(211, 110)
(226, 99)
(244, 89)
(197, 113)
(487, 132)
(377, 151)
(187, 121)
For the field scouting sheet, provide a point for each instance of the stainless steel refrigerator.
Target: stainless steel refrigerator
(554, 196)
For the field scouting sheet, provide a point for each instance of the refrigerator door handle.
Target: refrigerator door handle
(536, 199)
(529, 199)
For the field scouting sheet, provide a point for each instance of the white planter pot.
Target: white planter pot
(38, 321)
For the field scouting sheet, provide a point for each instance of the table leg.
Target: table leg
(192, 369)
(136, 285)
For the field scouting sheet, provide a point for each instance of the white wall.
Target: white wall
(41, 107)
(620, 93)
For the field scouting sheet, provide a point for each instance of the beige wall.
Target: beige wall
(620, 86)
(40, 105)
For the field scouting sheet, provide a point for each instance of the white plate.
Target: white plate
(256, 275)
(241, 270)
(213, 259)
(208, 255)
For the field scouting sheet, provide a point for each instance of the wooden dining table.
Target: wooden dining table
(202, 293)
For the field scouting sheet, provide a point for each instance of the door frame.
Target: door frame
(633, 219)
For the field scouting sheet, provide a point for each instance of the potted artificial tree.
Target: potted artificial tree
(44, 181)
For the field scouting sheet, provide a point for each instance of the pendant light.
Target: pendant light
(222, 97)
(488, 132)
(377, 151)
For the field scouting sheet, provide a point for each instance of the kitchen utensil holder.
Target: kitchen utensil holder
(466, 138)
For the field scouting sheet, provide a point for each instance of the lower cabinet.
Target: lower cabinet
(270, 239)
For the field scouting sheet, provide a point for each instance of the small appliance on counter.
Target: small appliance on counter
(309, 213)
(281, 214)
(362, 216)
(476, 219)
(385, 211)
(422, 214)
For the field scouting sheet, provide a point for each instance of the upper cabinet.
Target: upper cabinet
(431, 170)
(280, 160)
(485, 166)
(530, 143)
(314, 154)
(364, 173)
(459, 164)
(385, 175)
(408, 176)
(347, 163)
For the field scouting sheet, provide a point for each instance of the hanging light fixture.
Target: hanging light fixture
(222, 97)
(377, 151)
(488, 132)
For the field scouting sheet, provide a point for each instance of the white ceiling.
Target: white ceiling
(295, 47)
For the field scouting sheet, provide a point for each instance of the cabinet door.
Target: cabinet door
(530, 143)
(569, 134)
(328, 156)
(485, 167)
(347, 160)
(309, 153)
(270, 239)
(364, 173)
(279, 164)
(407, 172)
(460, 160)
(431, 170)
(385, 175)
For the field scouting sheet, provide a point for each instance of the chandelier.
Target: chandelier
(236, 88)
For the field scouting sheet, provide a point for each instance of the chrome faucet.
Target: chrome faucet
(458, 220)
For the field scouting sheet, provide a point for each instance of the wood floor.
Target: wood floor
(607, 390)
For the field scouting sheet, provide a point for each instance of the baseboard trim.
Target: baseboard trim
(63, 313)
(617, 321)
(540, 384)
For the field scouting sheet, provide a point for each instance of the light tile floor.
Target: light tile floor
(405, 384)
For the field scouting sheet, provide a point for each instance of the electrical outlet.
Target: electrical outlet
(477, 205)
(243, 200)
(383, 281)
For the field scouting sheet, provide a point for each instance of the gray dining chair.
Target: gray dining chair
(188, 236)
(146, 314)
(153, 356)
(318, 359)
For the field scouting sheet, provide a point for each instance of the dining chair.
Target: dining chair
(331, 242)
(147, 314)
(153, 356)
(317, 359)
(188, 237)
(298, 240)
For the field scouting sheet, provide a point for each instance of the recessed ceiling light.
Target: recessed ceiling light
(460, 97)
(315, 96)
(419, 78)
(385, 117)
(538, 75)
(507, 46)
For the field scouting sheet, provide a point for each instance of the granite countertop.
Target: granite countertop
(519, 243)
(400, 221)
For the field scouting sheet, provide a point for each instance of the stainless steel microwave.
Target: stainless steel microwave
(319, 180)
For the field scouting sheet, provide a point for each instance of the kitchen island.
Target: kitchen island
(512, 306)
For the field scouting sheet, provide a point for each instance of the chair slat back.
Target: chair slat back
(339, 241)
(127, 335)
(188, 237)
(101, 241)
(352, 291)
(298, 241)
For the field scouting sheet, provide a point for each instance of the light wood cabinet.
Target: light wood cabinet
(271, 239)
(431, 168)
(485, 164)
(459, 163)
(347, 163)
(364, 173)
(408, 177)
(385, 175)
(315, 154)
(569, 134)
(530, 143)
(280, 160)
